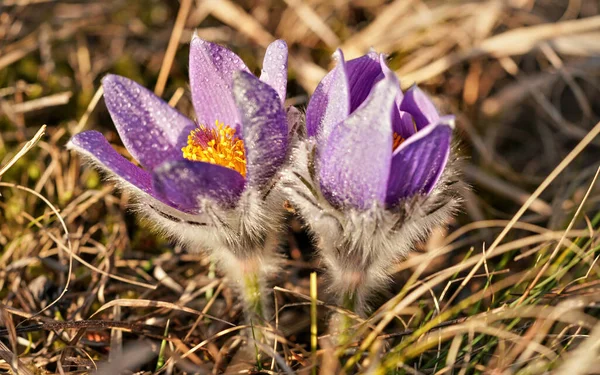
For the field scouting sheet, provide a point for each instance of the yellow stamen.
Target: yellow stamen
(397, 141)
(217, 146)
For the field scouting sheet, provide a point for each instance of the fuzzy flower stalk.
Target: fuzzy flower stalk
(373, 176)
(207, 183)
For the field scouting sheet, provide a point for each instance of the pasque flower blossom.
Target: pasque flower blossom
(206, 182)
(373, 176)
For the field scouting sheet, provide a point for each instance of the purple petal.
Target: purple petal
(151, 130)
(418, 104)
(363, 73)
(354, 165)
(183, 183)
(274, 71)
(264, 127)
(93, 145)
(330, 103)
(211, 78)
(419, 162)
(402, 122)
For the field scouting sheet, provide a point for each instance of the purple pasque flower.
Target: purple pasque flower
(400, 155)
(208, 182)
(372, 177)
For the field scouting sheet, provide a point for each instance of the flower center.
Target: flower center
(217, 146)
(397, 141)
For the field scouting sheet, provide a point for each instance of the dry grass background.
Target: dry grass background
(512, 287)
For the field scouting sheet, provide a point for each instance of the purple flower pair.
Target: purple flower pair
(370, 178)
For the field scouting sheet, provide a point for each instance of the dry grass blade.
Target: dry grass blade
(395, 307)
(314, 22)
(28, 146)
(584, 359)
(16, 364)
(182, 15)
(19, 50)
(69, 250)
(6, 320)
(388, 16)
(161, 304)
(513, 42)
(563, 164)
(235, 16)
(502, 187)
(69, 246)
(88, 111)
(561, 241)
(45, 102)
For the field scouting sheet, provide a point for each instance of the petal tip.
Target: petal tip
(387, 72)
(449, 120)
(279, 43)
(110, 83)
(414, 88)
(198, 44)
(78, 139)
(373, 54)
(196, 38)
(420, 106)
(72, 143)
(338, 55)
(110, 79)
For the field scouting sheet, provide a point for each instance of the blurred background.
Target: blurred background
(522, 77)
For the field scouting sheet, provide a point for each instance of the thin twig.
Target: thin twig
(165, 69)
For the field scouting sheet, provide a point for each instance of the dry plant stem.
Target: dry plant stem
(28, 146)
(182, 16)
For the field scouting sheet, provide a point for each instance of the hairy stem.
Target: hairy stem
(253, 298)
(344, 321)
